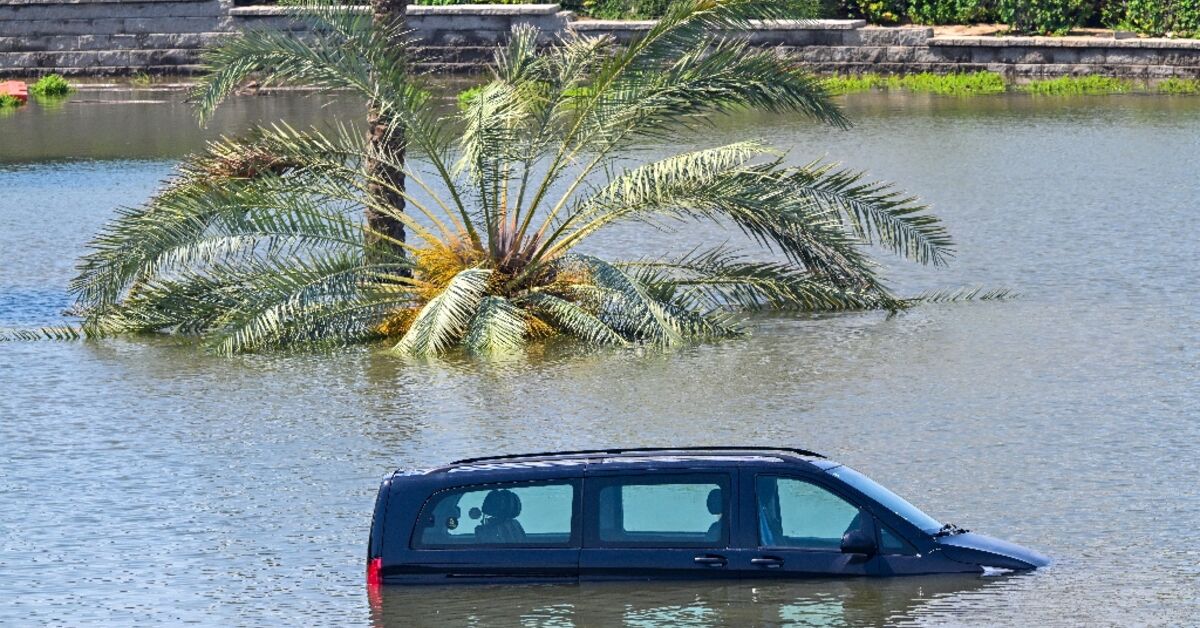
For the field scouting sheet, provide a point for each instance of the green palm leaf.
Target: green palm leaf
(445, 317)
(574, 319)
(498, 327)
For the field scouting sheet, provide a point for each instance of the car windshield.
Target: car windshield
(886, 498)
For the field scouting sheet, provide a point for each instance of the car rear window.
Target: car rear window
(532, 514)
(663, 511)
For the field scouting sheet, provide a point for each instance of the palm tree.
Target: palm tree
(257, 243)
(385, 135)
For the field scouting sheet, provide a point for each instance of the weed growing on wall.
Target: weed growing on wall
(50, 85)
(1078, 85)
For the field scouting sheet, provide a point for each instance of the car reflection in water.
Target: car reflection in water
(846, 602)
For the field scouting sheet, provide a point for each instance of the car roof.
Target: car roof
(633, 456)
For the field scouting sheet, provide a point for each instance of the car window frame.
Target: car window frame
(575, 541)
(868, 516)
(727, 480)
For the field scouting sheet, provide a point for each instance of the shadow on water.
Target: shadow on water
(726, 603)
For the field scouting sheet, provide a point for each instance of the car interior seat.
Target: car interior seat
(716, 506)
(500, 511)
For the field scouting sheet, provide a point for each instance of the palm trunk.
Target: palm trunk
(384, 135)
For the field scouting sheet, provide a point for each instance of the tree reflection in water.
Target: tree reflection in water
(850, 602)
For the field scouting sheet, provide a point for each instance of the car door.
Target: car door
(792, 526)
(527, 531)
(657, 524)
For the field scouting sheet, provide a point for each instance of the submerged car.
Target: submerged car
(713, 512)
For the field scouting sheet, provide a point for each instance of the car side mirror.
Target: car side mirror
(858, 542)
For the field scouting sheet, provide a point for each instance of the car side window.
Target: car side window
(522, 514)
(663, 511)
(892, 543)
(800, 514)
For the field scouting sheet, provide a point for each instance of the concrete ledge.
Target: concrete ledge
(124, 36)
(514, 10)
(1065, 42)
(278, 11)
(777, 25)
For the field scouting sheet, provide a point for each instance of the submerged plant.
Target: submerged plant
(260, 242)
(7, 101)
(51, 85)
(1078, 85)
(956, 84)
(1178, 86)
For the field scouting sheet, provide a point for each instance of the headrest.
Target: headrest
(716, 505)
(502, 504)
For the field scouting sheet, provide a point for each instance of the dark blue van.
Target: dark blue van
(713, 512)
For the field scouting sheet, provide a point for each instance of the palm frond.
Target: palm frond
(445, 317)
(57, 332)
(498, 327)
(961, 295)
(328, 297)
(630, 306)
(876, 211)
(727, 279)
(573, 319)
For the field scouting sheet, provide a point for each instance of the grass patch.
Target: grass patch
(961, 84)
(964, 84)
(853, 83)
(1178, 86)
(50, 85)
(467, 95)
(141, 79)
(1077, 85)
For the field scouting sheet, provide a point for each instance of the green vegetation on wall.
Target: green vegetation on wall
(964, 84)
(980, 83)
(1178, 86)
(1077, 85)
(50, 85)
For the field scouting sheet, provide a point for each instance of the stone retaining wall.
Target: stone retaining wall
(103, 37)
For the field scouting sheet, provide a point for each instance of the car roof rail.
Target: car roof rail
(641, 450)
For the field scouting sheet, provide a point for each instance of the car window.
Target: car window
(796, 513)
(888, 499)
(528, 514)
(892, 543)
(664, 511)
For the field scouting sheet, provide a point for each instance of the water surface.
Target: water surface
(145, 482)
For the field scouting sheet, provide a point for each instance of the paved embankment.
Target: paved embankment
(112, 37)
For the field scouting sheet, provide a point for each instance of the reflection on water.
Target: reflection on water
(144, 482)
(847, 602)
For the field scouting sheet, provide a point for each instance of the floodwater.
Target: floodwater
(145, 482)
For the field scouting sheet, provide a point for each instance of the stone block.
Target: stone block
(1131, 56)
(900, 54)
(894, 36)
(1093, 56)
(171, 25)
(1069, 56)
(89, 11)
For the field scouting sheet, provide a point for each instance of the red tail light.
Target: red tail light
(375, 572)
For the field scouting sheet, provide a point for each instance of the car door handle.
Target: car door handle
(769, 562)
(711, 560)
